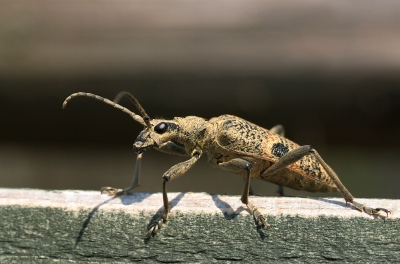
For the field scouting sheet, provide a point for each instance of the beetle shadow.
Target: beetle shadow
(226, 208)
(124, 199)
(328, 200)
(158, 215)
(230, 214)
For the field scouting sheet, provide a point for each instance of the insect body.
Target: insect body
(233, 144)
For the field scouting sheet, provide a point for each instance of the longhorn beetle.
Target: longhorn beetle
(233, 144)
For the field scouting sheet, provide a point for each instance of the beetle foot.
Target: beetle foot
(375, 211)
(114, 191)
(262, 221)
(111, 191)
(371, 211)
(259, 218)
(156, 225)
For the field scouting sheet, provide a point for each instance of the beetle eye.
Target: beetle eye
(161, 127)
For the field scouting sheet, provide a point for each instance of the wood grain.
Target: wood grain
(38, 225)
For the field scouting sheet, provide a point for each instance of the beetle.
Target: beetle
(233, 144)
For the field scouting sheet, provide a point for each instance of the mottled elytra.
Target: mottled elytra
(233, 144)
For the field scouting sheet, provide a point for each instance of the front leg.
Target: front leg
(135, 181)
(168, 147)
(171, 148)
(243, 165)
(173, 173)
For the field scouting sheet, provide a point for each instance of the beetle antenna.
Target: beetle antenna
(133, 99)
(136, 117)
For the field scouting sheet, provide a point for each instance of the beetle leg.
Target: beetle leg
(343, 190)
(135, 181)
(260, 219)
(243, 165)
(171, 148)
(173, 173)
(296, 154)
(278, 129)
(287, 159)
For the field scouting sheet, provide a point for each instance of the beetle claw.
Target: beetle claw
(376, 211)
(371, 211)
(111, 191)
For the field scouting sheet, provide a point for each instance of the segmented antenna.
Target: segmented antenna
(133, 99)
(136, 117)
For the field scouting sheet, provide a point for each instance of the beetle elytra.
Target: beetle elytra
(233, 144)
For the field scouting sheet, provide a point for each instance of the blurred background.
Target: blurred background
(329, 71)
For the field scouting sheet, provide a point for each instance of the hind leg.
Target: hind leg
(296, 154)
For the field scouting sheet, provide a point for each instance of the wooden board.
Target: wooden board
(38, 225)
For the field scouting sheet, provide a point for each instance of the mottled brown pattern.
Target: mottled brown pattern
(240, 138)
(239, 135)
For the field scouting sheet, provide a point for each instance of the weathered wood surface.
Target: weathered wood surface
(84, 226)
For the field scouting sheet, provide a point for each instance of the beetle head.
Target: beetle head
(156, 133)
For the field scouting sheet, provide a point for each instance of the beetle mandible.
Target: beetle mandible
(233, 144)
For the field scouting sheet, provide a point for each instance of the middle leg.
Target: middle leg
(243, 165)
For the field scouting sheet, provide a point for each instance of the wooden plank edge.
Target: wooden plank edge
(195, 203)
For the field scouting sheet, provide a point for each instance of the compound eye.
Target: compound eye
(161, 127)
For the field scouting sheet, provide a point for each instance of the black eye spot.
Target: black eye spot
(161, 128)
(279, 149)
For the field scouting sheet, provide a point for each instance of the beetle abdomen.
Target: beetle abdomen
(246, 139)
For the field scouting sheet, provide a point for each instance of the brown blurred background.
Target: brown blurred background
(329, 71)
